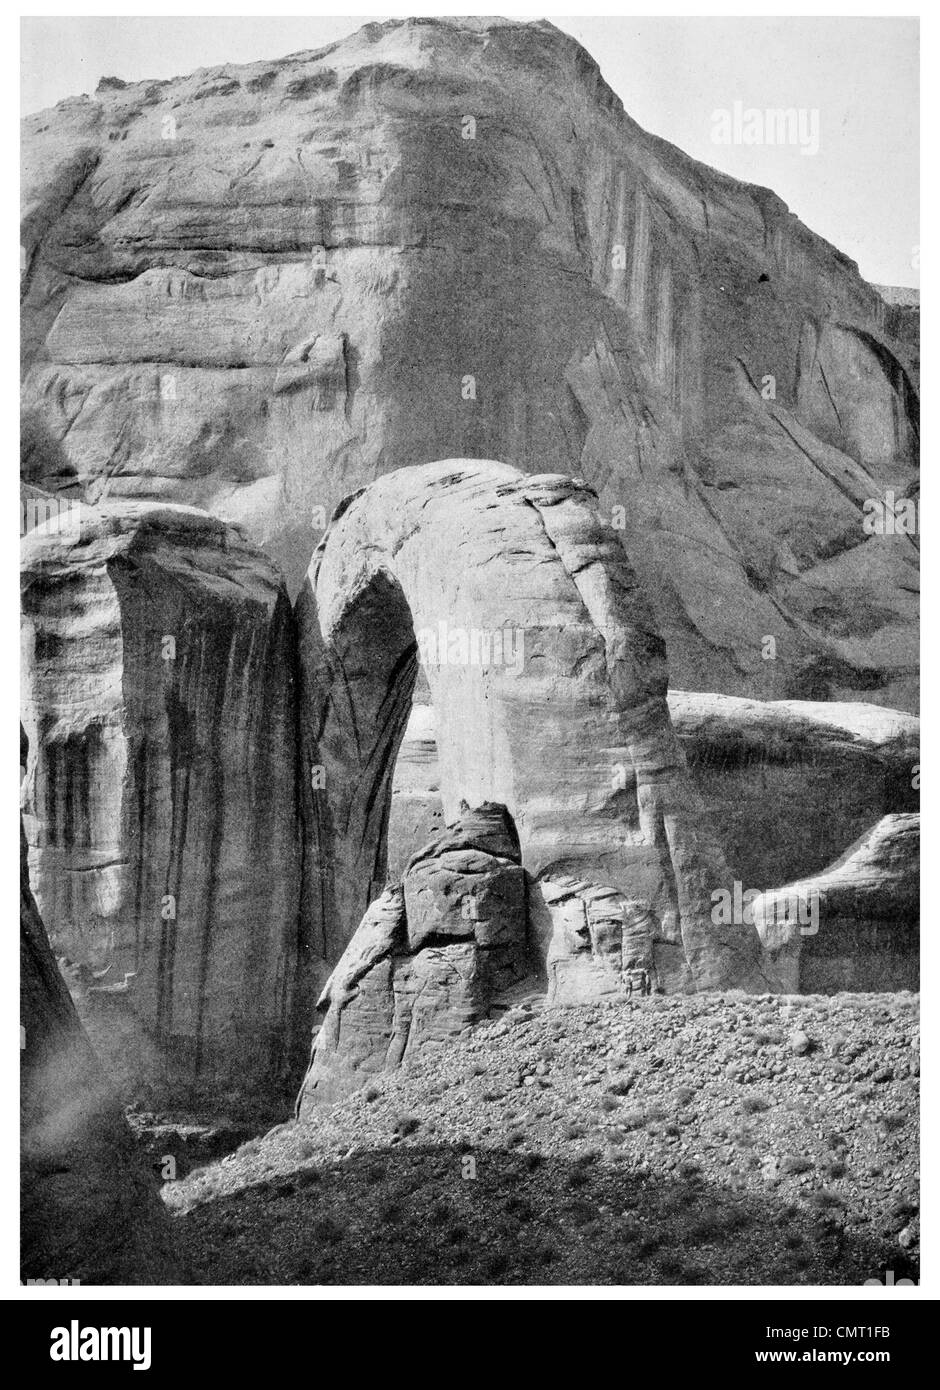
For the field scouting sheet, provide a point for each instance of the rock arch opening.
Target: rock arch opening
(360, 687)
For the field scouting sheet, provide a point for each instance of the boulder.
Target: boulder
(258, 287)
(162, 807)
(467, 884)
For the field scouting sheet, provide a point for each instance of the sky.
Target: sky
(854, 82)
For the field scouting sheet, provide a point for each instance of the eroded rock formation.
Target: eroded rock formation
(549, 681)
(254, 289)
(161, 804)
(788, 785)
(443, 239)
(867, 904)
(431, 956)
(601, 944)
(89, 1212)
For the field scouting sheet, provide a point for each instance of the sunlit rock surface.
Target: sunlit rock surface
(788, 784)
(256, 288)
(431, 956)
(548, 679)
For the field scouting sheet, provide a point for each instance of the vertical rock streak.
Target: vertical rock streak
(192, 920)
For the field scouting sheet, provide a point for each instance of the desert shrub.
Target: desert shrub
(825, 1199)
(581, 1212)
(754, 1105)
(326, 1231)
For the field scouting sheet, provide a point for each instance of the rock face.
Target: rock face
(89, 1213)
(416, 811)
(787, 784)
(162, 808)
(430, 957)
(903, 317)
(790, 784)
(601, 944)
(549, 681)
(255, 289)
(259, 304)
(867, 903)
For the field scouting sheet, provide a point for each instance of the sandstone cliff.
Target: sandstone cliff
(161, 798)
(260, 304)
(89, 1212)
(254, 289)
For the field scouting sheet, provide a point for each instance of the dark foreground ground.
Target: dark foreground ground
(705, 1140)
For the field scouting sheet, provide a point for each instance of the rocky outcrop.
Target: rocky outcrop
(90, 1214)
(902, 319)
(467, 883)
(430, 957)
(790, 784)
(601, 943)
(161, 800)
(549, 681)
(256, 288)
(856, 925)
(787, 784)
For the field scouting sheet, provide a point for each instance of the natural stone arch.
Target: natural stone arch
(568, 729)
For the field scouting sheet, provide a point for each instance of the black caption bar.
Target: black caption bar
(169, 1337)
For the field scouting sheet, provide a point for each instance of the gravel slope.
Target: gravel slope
(703, 1140)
